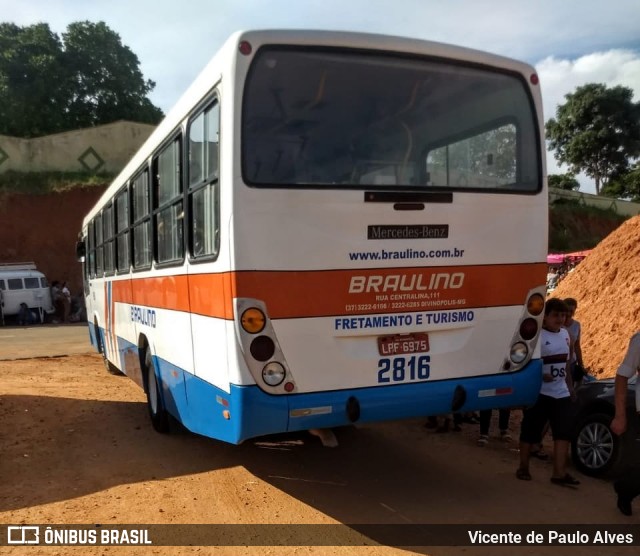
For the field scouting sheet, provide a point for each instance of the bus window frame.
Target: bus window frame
(157, 208)
(211, 101)
(123, 191)
(90, 270)
(99, 249)
(147, 217)
(108, 242)
(13, 289)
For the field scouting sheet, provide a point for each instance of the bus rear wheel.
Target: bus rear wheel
(157, 413)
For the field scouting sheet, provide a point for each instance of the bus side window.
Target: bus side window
(15, 283)
(31, 283)
(122, 231)
(204, 145)
(168, 207)
(141, 219)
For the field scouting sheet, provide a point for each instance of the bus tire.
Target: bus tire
(157, 413)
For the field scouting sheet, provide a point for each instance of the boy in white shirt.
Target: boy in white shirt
(554, 402)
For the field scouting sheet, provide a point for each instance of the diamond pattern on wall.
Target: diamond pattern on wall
(3, 156)
(91, 160)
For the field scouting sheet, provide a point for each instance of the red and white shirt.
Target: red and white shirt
(554, 347)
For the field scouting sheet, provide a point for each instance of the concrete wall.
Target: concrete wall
(105, 148)
(625, 208)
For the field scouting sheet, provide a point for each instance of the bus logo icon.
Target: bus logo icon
(27, 534)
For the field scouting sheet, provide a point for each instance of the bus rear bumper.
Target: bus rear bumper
(266, 414)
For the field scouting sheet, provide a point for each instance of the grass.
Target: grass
(39, 183)
(574, 226)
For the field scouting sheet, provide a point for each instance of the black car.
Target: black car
(595, 450)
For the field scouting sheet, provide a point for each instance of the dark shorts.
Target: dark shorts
(557, 411)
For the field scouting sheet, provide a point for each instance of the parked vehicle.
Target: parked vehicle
(595, 449)
(23, 283)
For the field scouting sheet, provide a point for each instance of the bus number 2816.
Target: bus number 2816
(399, 369)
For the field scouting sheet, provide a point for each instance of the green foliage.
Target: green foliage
(106, 81)
(47, 182)
(626, 186)
(30, 62)
(597, 130)
(574, 226)
(49, 85)
(567, 182)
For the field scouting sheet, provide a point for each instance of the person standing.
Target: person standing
(503, 424)
(58, 302)
(66, 300)
(574, 328)
(627, 487)
(554, 403)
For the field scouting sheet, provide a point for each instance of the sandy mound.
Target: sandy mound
(607, 287)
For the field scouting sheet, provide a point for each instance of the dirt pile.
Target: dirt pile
(607, 287)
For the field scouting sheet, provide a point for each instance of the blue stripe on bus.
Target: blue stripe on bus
(200, 406)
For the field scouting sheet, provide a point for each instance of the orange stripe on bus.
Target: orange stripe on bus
(290, 294)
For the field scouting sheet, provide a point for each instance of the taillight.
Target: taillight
(253, 320)
(519, 352)
(273, 373)
(262, 348)
(535, 304)
(528, 329)
(245, 48)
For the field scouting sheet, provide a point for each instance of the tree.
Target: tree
(567, 182)
(30, 62)
(625, 186)
(597, 131)
(106, 83)
(48, 85)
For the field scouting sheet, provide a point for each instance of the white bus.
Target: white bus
(328, 228)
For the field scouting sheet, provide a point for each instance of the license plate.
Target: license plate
(398, 344)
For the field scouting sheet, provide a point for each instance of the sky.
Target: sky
(570, 42)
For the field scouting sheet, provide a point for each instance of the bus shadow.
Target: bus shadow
(61, 448)
(57, 449)
(392, 474)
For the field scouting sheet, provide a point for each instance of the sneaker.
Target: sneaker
(483, 440)
(505, 436)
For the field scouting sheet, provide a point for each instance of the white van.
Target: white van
(23, 283)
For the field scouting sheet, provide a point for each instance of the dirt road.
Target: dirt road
(76, 446)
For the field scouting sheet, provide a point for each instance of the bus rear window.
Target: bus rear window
(341, 119)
